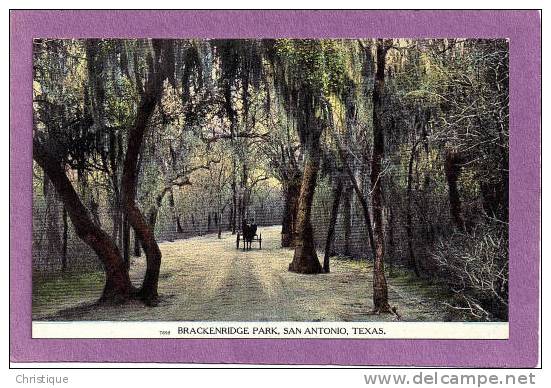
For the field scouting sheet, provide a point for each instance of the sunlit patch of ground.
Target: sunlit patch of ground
(208, 279)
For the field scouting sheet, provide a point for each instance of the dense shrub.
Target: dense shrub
(475, 266)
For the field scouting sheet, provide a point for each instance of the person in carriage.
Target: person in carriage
(249, 232)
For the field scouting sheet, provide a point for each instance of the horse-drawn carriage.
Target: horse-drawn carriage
(248, 235)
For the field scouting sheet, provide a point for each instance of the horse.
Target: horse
(249, 231)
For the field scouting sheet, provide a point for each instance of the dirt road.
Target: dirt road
(207, 279)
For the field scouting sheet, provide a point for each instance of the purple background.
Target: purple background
(521, 27)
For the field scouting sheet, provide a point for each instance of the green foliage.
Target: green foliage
(314, 65)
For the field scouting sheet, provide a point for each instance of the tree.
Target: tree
(161, 63)
(409, 216)
(283, 153)
(308, 71)
(118, 287)
(219, 178)
(380, 289)
(305, 259)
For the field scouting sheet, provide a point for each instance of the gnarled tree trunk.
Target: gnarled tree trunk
(159, 68)
(118, 287)
(305, 259)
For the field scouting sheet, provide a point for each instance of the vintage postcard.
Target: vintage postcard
(275, 186)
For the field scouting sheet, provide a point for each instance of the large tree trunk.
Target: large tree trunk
(452, 168)
(159, 68)
(292, 192)
(305, 259)
(332, 222)
(380, 290)
(310, 127)
(118, 287)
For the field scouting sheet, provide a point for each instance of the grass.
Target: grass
(400, 278)
(50, 291)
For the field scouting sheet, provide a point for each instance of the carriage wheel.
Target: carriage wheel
(260, 241)
(237, 240)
